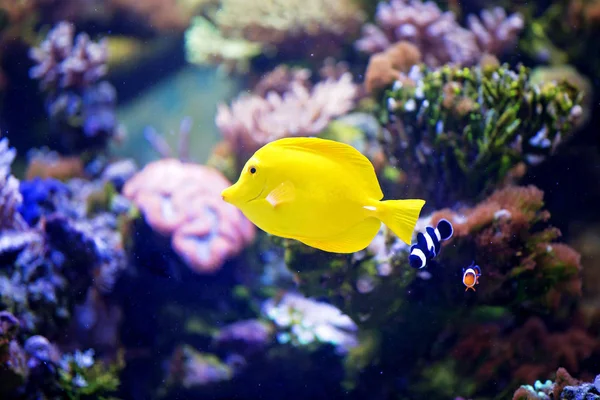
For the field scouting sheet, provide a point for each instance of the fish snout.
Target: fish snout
(225, 195)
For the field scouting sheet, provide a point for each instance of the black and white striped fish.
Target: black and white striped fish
(429, 243)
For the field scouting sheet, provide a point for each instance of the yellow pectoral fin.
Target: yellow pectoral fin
(283, 193)
(354, 239)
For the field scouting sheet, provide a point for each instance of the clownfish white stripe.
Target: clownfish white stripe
(419, 253)
(430, 244)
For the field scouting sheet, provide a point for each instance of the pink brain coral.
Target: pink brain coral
(183, 200)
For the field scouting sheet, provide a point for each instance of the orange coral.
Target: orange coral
(388, 66)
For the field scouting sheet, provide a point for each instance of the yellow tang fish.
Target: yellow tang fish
(320, 192)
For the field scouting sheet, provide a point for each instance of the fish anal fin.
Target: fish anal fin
(283, 193)
(342, 153)
(354, 239)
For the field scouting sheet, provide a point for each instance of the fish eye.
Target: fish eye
(252, 170)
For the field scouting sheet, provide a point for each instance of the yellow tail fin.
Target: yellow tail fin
(401, 216)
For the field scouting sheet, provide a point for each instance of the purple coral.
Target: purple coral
(437, 34)
(81, 107)
(495, 31)
(64, 62)
(10, 197)
(254, 120)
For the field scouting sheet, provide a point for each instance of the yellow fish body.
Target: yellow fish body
(320, 192)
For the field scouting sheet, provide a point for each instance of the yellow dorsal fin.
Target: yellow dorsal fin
(283, 193)
(341, 153)
(354, 239)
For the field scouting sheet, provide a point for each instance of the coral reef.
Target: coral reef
(285, 104)
(183, 201)
(79, 104)
(522, 325)
(35, 368)
(458, 132)
(521, 264)
(525, 273)
(565, 387)
(437, 34)
(47, 267)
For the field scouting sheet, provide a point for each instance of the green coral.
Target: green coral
(81, 377)
(460, 131)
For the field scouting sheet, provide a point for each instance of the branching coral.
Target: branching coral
(183, 201)
(457, 132)
(80, 105)
(64, 62)
(293, 109)
(438, 36)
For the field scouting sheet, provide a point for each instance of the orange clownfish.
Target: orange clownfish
(471, 276)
